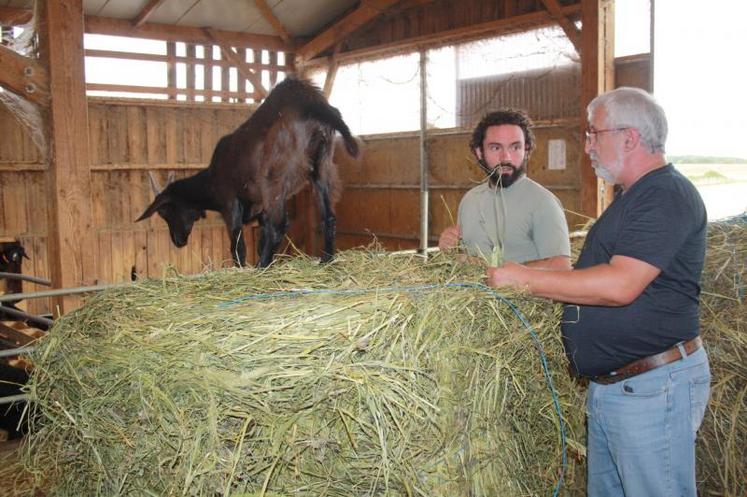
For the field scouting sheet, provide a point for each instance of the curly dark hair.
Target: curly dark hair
(505, 116)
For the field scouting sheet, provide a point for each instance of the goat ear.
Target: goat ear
(153, 207)
(154, 183)
(203, 215)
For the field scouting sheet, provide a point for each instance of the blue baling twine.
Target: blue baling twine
(412, 289)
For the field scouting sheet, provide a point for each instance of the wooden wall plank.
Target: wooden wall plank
(155, 135)
(4, 231)
(37, 208)
(120, 271)
(96, 133)
(152, 257)
(98, 196)
(206, 247)
(170, 135)
(213, 233)
(140, 238)
(14, 203)
(136, 129)
(138, 198)
(116, 134)
(191, 136)
(105, 257)
(208, 135)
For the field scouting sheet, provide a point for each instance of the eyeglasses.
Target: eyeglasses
(591, 134)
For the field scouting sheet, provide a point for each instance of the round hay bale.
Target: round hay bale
(372, 375)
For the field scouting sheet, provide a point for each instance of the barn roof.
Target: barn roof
(315, 30)
(300, 18)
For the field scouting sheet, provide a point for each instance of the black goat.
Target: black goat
(286, 142)
(11, 257)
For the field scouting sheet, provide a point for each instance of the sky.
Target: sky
(700, 75)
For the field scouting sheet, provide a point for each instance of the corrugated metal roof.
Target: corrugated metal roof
(298, 17)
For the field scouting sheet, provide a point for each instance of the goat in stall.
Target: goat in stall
(286, 142)
(11, 258)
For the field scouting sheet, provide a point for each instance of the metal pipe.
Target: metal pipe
(379, 234)
(423, 152)
(25, 316)
(14, 398)
(436, 186)
(24, 277)
(59, 292)
(18, 351)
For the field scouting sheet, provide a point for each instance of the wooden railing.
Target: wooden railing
(235, 71)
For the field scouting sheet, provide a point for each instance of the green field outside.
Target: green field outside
(711, 174)
(723, 187)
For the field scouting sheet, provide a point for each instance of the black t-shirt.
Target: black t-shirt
(660, 220)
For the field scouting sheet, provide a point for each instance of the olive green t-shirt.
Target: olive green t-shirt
(526, 219)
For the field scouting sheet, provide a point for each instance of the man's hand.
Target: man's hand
(509, 275)
(449, 238)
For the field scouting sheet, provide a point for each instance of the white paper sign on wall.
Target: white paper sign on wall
(556, 154)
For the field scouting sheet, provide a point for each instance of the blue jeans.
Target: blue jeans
(641, 431)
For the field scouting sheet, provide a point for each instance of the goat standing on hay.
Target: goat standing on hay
(287, 141)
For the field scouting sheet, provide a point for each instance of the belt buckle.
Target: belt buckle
(681, 348)
(578, 314)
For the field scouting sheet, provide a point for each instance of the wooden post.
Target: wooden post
(171, 68)
(597, 76)
(70, 241)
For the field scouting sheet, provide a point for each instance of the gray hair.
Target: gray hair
(628, 107)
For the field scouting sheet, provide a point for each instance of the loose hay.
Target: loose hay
(722, 440)
(244, 382)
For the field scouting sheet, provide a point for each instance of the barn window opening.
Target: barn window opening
(699, 82)
(140, 68)
(454, 75)
(530, 70)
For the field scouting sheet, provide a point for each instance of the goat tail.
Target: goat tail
(329, 115)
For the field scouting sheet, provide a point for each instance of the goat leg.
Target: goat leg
(328, 220)
(273, 230)
(233, 221)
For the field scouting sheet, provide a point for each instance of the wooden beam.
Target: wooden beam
(267, 13)
(145, 12)
(12, 335)
(499, 27)
(187, 34)
(329, 80)
(229, 53)
(570, 29)
(367, 11)
(597, 76)
(11, 16)
(168, 32)
(24, 76)
(69, 233)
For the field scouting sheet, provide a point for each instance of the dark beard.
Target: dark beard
(506, 180)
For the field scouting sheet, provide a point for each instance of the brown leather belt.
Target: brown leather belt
(649, 363)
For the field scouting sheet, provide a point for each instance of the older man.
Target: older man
(509, 214)
(631, 321)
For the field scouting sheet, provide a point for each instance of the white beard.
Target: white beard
(609, 173)
(605, 174)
